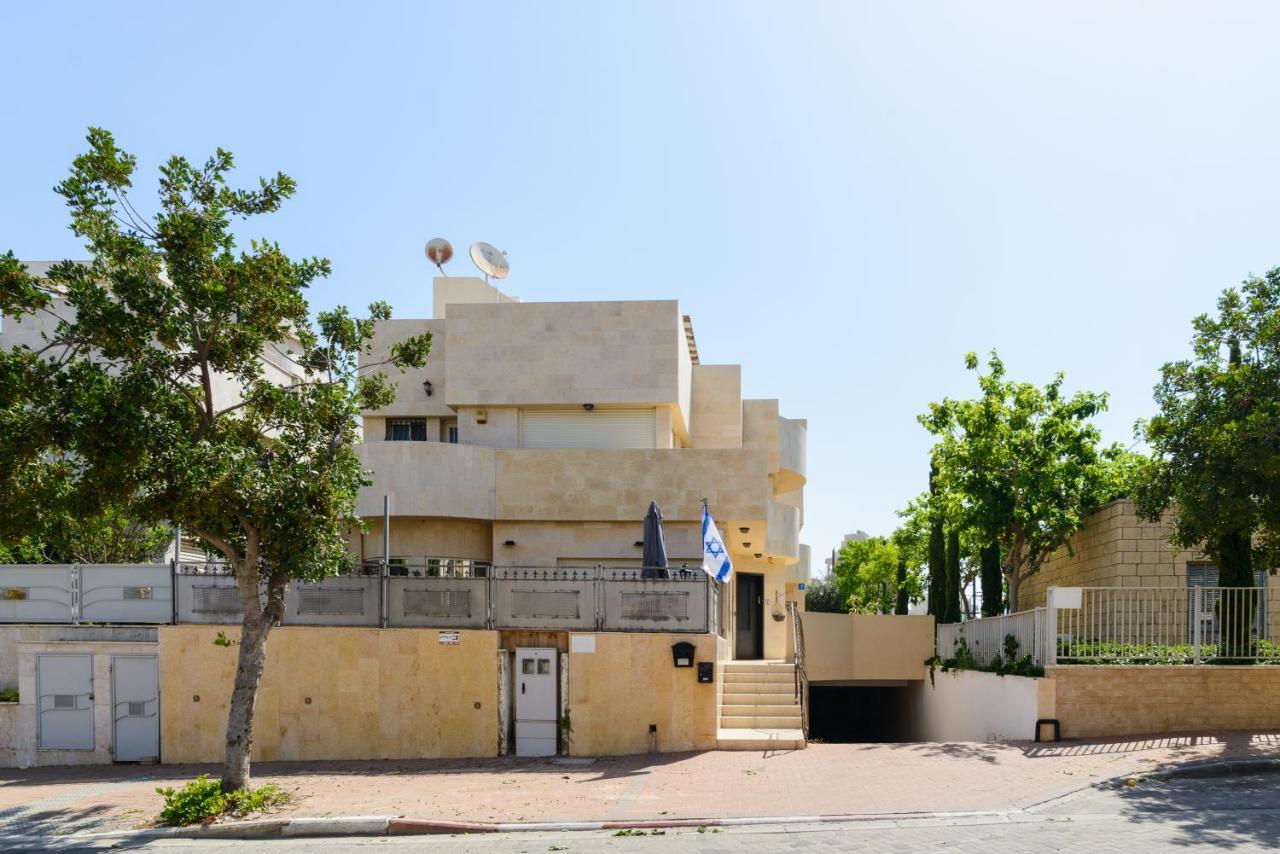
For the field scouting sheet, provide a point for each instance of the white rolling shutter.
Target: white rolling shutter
(603, 428)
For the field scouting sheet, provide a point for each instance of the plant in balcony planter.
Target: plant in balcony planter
(8, 695)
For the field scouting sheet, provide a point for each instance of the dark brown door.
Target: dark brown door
(749, 642)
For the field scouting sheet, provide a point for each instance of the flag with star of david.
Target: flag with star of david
(715, 558)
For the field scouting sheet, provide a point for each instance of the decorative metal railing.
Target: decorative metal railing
(802, 676)
(434, 592)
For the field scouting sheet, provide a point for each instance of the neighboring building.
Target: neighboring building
(1117, 549)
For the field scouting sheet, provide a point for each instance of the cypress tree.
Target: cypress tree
(951, 607)
(900, 607)
(937, 552)
(992, 581)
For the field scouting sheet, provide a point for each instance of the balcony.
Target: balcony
(793, 443)
(782, 537)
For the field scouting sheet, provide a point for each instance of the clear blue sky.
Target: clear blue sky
(845, 196)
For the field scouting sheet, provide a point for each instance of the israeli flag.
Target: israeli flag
(715, 557)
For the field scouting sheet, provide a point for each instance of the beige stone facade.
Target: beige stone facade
(464, 480)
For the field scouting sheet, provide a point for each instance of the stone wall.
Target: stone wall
(335, 693)
(1101, 701)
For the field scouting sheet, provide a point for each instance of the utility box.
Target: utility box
(682, 654)
(706, 671)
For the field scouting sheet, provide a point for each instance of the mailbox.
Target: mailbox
(682, 653)
(706, 671)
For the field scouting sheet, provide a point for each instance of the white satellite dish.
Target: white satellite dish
(490, 261)
(439, 251)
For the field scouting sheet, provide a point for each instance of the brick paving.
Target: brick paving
(825, 779)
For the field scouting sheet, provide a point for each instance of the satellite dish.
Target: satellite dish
(439, 251)
(490, 261)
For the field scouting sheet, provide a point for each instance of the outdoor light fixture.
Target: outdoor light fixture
(428, 387)
(743, 530)
(638, 544)
(758, 555)
(588, 406)
(508, 542)
(746, 545)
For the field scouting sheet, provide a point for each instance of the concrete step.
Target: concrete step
(729, 738)
(760, 722)
(757, 666)
(781, 698)
(737, 710)
(781, 676)
(776, 689)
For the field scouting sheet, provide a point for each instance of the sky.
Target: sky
(847, 197)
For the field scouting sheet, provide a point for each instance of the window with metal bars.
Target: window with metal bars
(406, 429)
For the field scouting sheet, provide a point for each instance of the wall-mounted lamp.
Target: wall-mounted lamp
(508, 542)
(428, 387)
(746, 545)
(588, 406)
(758, 555)
(638, 544)
(482, 416)
(744, 530)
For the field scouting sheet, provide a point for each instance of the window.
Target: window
(449, 431)
(406, 429)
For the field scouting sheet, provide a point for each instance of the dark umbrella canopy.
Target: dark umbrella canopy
(655, 545)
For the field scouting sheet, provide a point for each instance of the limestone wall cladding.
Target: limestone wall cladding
(453, 290)
(428, 479)
(760, 427)
(489, 426)
(782, 538)
(543, 354)
(411, 396)
(1095, 702)
(628, 683)
(546, 543)
(335, 693)
(11, 735)
(793, 445)
(846, 647)
(417, 538)
(716, 406)
(617, 485)
(1114, 549)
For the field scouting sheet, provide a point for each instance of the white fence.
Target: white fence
(1131, 625)
(989, 637)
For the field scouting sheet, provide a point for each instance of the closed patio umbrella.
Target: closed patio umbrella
(655, 546)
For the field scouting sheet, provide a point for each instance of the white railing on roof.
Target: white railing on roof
(988, 637)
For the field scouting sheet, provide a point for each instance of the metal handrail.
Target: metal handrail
(802, 676)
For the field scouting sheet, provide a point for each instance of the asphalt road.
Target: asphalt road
(1240, 814)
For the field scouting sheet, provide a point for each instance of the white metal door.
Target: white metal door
(64, 701)
(135, 708)
(536, 701)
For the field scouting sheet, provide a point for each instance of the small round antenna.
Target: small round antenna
(439, 251)
(490, 261)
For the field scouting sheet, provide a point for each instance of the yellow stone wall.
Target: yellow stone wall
(1096, 702)
(850, 647)
(373, 694)
(717, 406)
(628, 683)
(1114, 549)
(416, 538)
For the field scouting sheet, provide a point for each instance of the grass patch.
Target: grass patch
(202, 800)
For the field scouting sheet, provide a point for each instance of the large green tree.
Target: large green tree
(151, 392)
(112, 535)
(1216, 439)
(876, 574)
(1021, 465)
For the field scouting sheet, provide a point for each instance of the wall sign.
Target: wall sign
(450, 638)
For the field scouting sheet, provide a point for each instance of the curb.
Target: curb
(375, 825)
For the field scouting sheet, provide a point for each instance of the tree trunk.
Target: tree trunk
(1014, 581)
(992, 582)
(254, 629)
(1234, 554)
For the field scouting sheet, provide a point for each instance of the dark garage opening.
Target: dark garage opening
(843, 714)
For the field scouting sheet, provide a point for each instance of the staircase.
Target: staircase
(758, 707)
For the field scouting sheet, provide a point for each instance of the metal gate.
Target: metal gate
(64, 701)
(536, 716)
(135, 708)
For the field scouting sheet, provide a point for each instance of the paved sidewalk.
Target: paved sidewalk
(826, 779)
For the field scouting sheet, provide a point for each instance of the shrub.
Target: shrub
(202, 800)
(8, 695)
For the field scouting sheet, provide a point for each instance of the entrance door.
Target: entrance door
(135, 708)
(749, 638)
(64, 701)
(536, 716)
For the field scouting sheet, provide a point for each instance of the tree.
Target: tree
(874, 574)
(953, 587)
(122, 405)
(992, 581)
(1216, 440)
(111, 536)
(823, 596)
(1024, 464)
(937, 545)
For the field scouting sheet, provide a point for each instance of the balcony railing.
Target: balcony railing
(434, 592)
